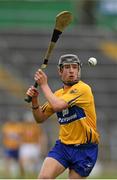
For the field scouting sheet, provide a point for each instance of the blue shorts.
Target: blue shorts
(12, 153)
(81, 158)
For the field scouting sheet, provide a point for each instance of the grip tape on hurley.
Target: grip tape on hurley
(56, 35)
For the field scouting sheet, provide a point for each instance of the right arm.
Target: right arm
(38, 114)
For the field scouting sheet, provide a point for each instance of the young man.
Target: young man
(77, 146)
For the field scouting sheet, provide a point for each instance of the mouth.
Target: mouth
(71, 77)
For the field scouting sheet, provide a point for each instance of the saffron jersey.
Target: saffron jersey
(12, 135)
(78, 121)
(31, 132)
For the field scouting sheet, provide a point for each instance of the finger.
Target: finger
(40, 71)
(29, 93)
(35, 91)
(32, 93)
(34, 88)
(36, 78)
(31, 89)
(38, 75)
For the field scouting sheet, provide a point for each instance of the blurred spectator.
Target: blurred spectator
(33, 148)
(12, 138)
(87, 12)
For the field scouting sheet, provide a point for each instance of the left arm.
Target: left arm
(56, 103)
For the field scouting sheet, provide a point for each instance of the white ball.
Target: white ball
(92, 61)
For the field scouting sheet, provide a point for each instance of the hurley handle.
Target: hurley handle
(28, 99)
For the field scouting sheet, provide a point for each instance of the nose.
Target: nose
(71, 69)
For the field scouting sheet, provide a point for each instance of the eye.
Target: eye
(75, 66)
(67, 66)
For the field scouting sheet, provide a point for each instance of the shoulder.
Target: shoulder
(58, 92)
(82, 86)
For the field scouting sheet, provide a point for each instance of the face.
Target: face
(70, 73)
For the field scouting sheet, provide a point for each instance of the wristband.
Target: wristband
(35, 107)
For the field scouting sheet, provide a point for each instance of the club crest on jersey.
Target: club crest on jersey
(73, 91)
(65, 112)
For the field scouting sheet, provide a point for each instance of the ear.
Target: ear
(60, 70)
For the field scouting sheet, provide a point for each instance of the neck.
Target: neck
(66, 87)
(69, 84)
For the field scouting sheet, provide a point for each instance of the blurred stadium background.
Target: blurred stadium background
(25, 30)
